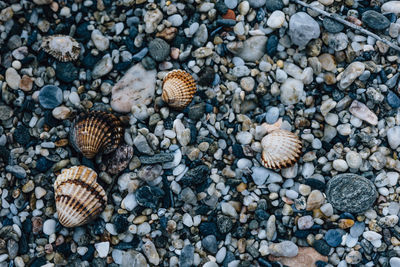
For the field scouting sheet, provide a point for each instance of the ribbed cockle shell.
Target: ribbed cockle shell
(179, 88)
(63, 47)
(281, 149)
(96, 132)
(79, 198)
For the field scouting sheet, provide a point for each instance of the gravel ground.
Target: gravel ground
(196, 191)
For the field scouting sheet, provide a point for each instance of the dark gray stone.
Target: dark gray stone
(50, 96)
(158, 158)
(159, 49)
(332, 25)
(351, 193)
(186, 259)
(209, 243)
(375, 20)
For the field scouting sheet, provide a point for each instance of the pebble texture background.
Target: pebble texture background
(188, 187)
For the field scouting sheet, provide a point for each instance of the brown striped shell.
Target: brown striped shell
(79, 198)
(63, 47)
(281, 149)
(179, 88)
(96, 132)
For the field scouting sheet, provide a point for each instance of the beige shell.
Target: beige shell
(281, 149)
(63, 47)
(179, 88)
(95, 132)
(79, 198)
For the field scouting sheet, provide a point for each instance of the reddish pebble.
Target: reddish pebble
(229, 15)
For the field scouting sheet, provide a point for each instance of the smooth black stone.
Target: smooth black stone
(315, 184)
(322, 247)
(22, 135)
(208, 228)
(121, 66)
(196, 176)
(226, 22)
(43, 164)
(23, 245)
(272, 45)
(273, 5)
(82, 33)
(121, 223)
(49, 119)
(332, 25)
(38, 262)
(27, 60)
(89, 60)
(375, 20)
(237, 151)
(66, 72)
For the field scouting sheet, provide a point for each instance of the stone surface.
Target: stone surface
(50, 96)
(135, 87)
(292, 91)
(303, 28)
(351, 193)
(351, 73)
(250, 50)
(375, 20)
(306, 257)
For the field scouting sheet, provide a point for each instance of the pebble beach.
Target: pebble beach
(238, 133)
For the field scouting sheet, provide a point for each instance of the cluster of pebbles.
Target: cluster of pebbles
(283, 150)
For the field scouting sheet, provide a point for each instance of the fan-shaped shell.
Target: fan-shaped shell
(281, 149)
(79, 198)
(95, 132)
(179, 88)
(63, 47)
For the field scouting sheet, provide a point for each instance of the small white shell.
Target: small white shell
(63, 47)
(281, 149)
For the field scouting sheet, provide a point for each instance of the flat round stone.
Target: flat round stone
(351, 193)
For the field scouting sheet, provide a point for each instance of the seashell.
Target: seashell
(117, 161)
(63, 47)
(96, 132)
(281, 149)
(79, 198)
(179, 88)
